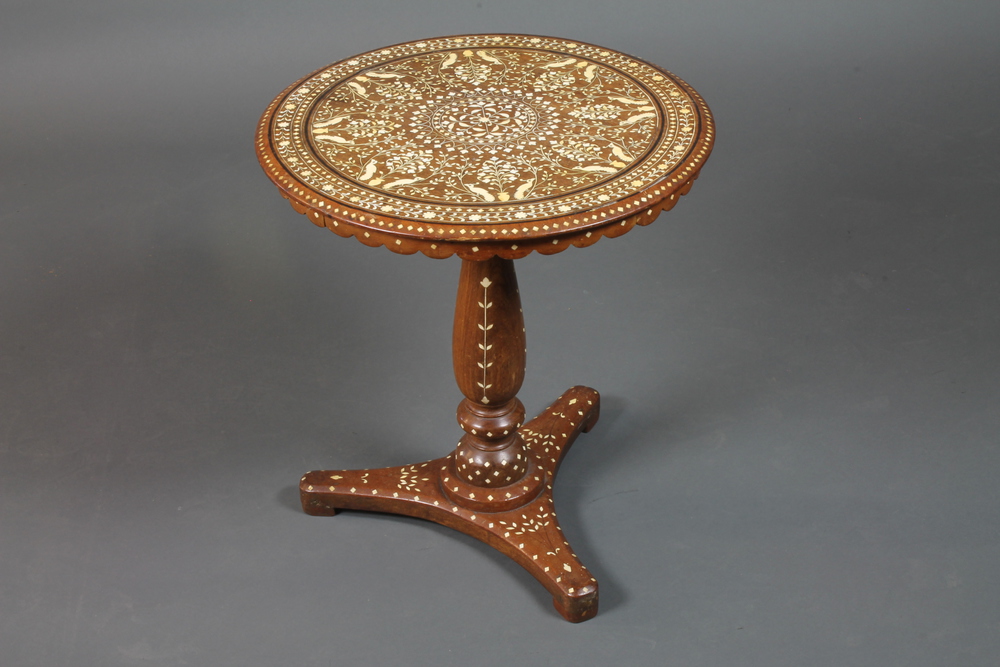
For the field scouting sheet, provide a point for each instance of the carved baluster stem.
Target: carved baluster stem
(489, 357)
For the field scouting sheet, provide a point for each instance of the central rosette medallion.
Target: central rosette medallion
(484, 119)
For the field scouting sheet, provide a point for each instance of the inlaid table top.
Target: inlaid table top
(485, 145)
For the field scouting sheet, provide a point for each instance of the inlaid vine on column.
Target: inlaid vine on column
(485, 346)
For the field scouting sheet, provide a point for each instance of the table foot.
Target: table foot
(529, 533)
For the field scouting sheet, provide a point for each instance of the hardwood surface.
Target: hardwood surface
(488, 147)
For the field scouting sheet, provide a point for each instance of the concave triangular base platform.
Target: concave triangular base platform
(529, 533)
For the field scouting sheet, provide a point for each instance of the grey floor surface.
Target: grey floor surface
(797, 462)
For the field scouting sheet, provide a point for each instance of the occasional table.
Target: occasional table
(487, 147)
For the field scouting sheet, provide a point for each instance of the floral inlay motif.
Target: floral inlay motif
(528, 524)
(410, 478)
(568, 123)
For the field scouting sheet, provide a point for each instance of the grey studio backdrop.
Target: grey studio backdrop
(798, 455)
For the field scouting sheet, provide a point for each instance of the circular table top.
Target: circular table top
(485, 145)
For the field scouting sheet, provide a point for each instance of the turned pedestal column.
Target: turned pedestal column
(490, 468)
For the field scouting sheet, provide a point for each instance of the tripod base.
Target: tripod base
(528, 532)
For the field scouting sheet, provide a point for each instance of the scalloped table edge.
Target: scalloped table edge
(485, 249)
